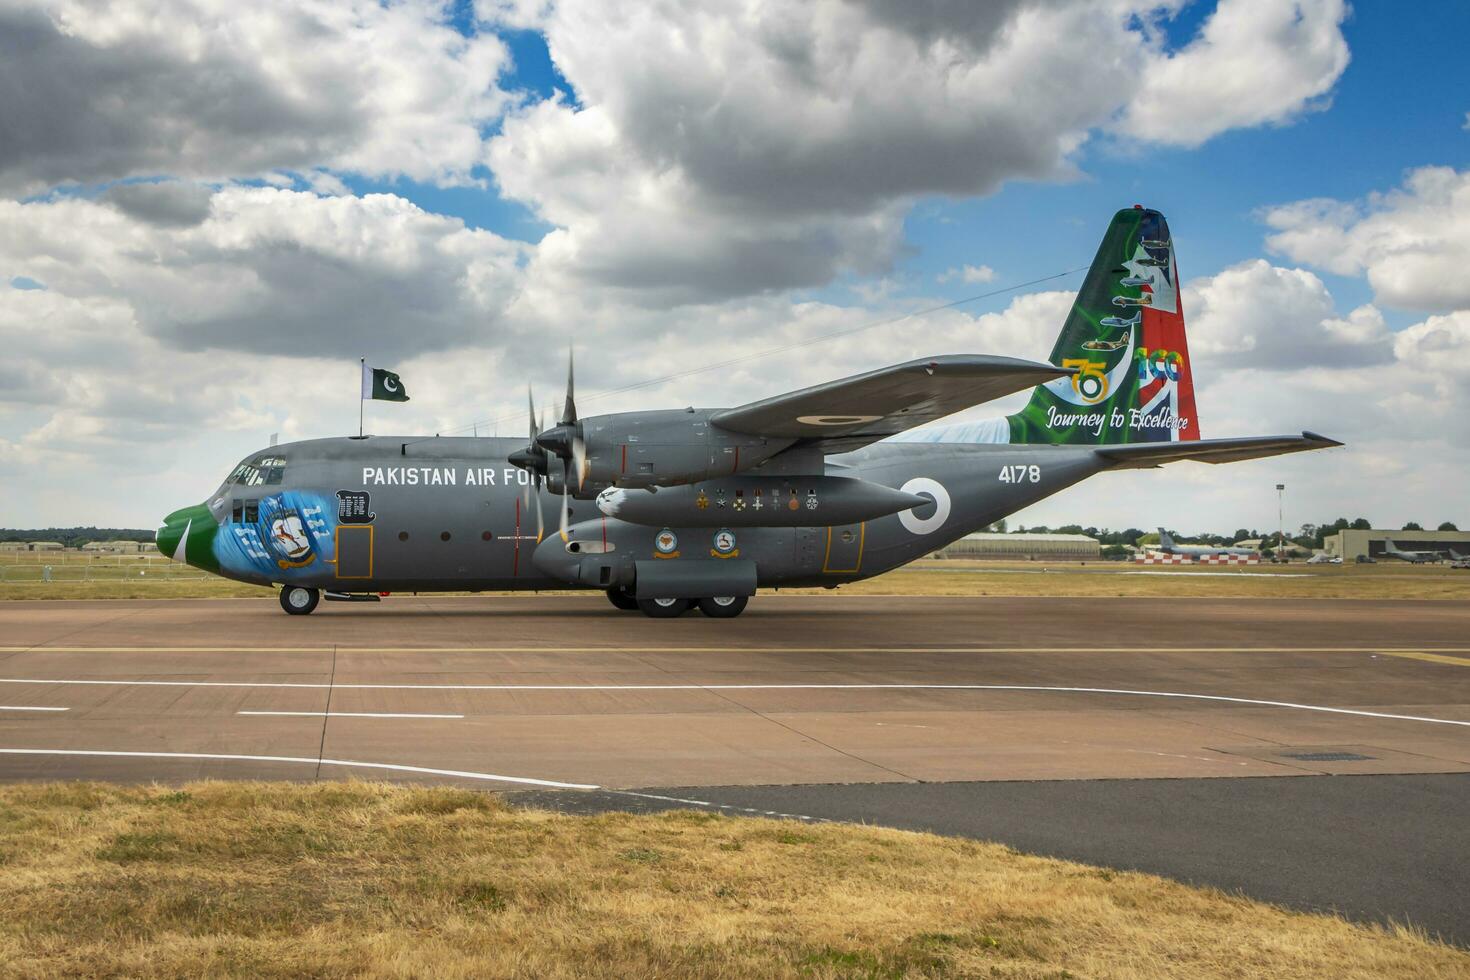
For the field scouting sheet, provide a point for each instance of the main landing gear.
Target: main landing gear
(299, 600)
(716, 607)
(723, 606)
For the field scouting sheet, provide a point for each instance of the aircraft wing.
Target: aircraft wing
(844, 415)
(1141, 455)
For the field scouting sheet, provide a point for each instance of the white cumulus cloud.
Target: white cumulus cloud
(969, 274)
(1254, 62)
(1413, 243)
(721, 149)
(98, 90)
(1258, 315)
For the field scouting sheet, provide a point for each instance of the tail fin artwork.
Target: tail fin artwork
(1125, 335)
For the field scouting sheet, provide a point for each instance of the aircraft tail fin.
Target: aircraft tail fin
(1166, 540)
(1125, 337)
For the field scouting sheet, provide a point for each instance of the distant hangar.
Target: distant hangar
(1351, 544)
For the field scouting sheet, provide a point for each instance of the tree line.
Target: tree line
(75, 537)
(1307, 535)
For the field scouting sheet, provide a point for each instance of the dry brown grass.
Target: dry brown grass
(269, 879)
(210, 588)
(1301, 581)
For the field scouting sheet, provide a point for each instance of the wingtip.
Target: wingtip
(1322, 440)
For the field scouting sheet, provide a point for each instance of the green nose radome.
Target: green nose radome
(187, 535)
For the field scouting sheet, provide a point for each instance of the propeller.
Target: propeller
(566, 441)
(534, 460)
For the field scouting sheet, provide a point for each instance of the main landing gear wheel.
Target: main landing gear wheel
(299, 600)
(622, 600)
(723, 606)
(664, 608)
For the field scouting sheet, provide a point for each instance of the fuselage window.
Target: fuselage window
(237, 512)
(251, 510)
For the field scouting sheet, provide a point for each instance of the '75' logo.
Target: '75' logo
(1091, 381)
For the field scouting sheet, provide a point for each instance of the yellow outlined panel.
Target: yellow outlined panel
(857, 562)
(349, 529)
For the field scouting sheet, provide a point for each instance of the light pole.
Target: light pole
(1281, 520)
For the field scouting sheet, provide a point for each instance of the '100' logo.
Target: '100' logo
(1156, 364)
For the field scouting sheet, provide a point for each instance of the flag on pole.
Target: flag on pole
(382, 385)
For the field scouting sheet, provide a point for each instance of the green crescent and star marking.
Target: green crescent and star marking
(382, 385)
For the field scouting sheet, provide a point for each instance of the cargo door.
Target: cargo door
(355, 551)
(844, 551)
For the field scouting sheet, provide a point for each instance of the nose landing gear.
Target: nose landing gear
(298, 600)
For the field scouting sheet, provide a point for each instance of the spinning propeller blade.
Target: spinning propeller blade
(569, 411)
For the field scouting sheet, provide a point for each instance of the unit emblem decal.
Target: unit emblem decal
(288, 538)
(724, 544)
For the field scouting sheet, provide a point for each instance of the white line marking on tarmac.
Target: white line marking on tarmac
(392, 767)
(345, 714)
(23, 707)
(718, 806)
(1180, 695)
(714, 649)
(304, 760)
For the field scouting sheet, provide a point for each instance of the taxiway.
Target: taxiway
(829, 707)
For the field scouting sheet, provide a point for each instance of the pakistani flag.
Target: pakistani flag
(382, 385)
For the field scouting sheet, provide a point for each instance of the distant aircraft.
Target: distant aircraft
(1323, 558)
(1413, 557)
(698, 507)
(1168, 547)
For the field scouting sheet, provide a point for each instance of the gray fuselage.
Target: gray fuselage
(439, 514)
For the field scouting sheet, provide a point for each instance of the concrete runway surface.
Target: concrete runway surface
(567, 693)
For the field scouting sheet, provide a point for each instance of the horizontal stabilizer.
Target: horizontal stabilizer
(1140, 455)
(855, 411)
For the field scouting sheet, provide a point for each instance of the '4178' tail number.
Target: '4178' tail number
(1020, 473)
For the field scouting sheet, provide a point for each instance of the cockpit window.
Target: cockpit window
(272, 469)
(261, 471)
(246, 475)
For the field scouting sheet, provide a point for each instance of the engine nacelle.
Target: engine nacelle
(759, 501)
(665, 449)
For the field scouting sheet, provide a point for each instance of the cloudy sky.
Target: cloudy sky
(210, 210)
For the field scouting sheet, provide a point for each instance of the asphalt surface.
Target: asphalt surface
(1077, 727)
(1371, 848)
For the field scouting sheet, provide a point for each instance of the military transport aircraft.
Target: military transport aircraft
(1167, 546)
(1412, 557)
(666, 510)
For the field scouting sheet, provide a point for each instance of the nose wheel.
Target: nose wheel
(298, 600)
